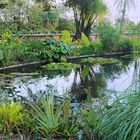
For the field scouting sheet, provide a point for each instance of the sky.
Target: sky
(133, 13)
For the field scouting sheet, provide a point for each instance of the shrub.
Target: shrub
(82, 50)
(17, 50)
(53, 50)
(89, 124)
(66, 37)
(46, 117)
(9, 49)
(97, 46)
(54, 120)
(65, 24)
(135, 43)
(12, 118)
(126, 45)
(109, 36)
(32, 50)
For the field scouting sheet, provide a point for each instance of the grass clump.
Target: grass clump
(121, 121)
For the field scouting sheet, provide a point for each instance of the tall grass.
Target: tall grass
(122, 120)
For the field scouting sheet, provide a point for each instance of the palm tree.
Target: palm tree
(124, 5)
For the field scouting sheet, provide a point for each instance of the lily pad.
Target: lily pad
(60, 66)
(99, 60)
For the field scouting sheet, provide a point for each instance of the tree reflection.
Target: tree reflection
(94, 84)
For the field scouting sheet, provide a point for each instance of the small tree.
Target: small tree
(109, 36)
(49, 20)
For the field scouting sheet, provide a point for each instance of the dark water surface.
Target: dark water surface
(101, 79)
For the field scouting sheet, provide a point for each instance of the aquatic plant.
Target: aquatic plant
(99, 60)
(60, 66)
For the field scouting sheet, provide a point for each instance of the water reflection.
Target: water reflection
(90, 84)
(95, 80)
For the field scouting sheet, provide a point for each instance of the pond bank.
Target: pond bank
(22, 65)
(69, 58)
(102, 55)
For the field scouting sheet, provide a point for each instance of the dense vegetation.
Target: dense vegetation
(77, 115)
(50, 118)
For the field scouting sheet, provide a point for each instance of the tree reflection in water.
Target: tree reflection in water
(94, 83)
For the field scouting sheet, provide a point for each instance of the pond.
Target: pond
(101, 80)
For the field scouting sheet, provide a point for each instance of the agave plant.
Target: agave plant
(46, 117)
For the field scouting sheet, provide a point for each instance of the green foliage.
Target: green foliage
(109, 36)
(60, 66)
(89, 124)
(32, 50)
(126, 45)
(135, 42)
(49, 20)
(85, 71)
(9, 47)
(59, 50)
(97, 46)
(69, 125)
(12, 117)
(65, 24)
(46, 117)
(66, 37)
(85, 40)
(82, 51)
(85, 13)
(15, 50)
(121, 121)
(99, 60)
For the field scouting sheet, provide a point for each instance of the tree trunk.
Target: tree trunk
(87, 31)
(123, 17)
(77, 34)
(81, 27)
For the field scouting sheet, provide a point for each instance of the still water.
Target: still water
(101, 80)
